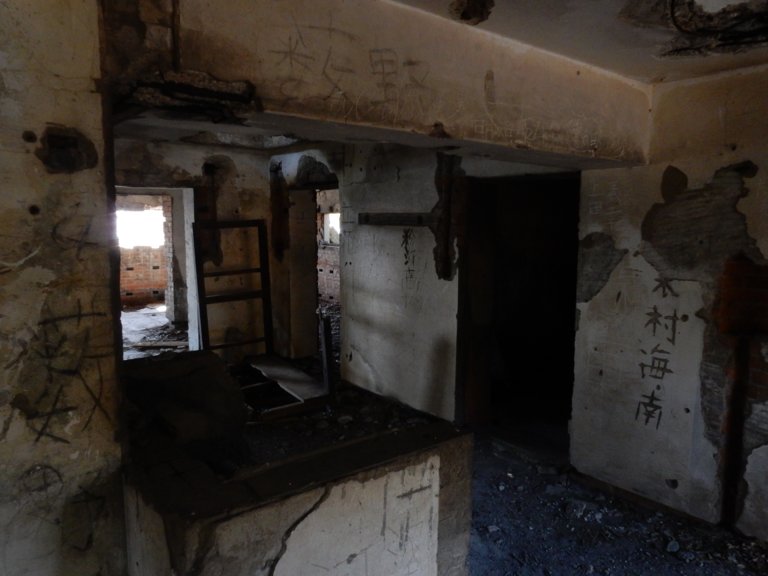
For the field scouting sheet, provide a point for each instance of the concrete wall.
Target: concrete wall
(711, 116)
(302, 224)
(383, 64)
(372, 64)
(410, 516)
(653, 372)
(60, 509)
(295, 177)
(399, 320)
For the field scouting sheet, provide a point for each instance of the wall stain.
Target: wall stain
(279, 204)
(471, 11)
(136, 165)
(65, 150)
(489, 89)
(311, 172)
(438, 131)
(598, 257)
(447, 213)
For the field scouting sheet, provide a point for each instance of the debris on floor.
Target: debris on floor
(147, 332)
(355, 414)
(530, 518)
(192, 402)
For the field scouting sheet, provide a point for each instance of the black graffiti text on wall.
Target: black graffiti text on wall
(64, 345)
(662, 324)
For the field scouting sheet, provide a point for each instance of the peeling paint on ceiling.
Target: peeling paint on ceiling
(624, 36)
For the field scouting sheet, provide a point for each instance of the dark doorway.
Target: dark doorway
(517, 307)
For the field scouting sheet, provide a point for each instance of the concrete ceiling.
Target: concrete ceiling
(594, 32)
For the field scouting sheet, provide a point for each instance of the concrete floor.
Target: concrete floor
(144, 325)
(532, 516)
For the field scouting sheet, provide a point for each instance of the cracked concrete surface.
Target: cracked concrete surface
(384, 521)
(284, 541)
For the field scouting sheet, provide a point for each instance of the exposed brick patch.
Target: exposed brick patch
(694, 231)
(743, 301)
(65, 150)
(690, 236)
(143, 274)
(328, 277)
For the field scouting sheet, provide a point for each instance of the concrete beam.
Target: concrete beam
(384, 65)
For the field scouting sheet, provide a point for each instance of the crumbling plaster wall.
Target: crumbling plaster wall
(384, 64)
(59, 486)
(652, 370)
(399, 320)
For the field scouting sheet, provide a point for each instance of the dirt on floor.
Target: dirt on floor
(146, 329)
(354, 414)
(535, 518)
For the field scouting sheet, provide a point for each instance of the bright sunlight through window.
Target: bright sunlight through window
(332, 226)
(140, 228)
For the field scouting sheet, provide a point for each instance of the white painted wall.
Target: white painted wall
(377, 63)
(398, 319)
(390, 529)
(653, 446)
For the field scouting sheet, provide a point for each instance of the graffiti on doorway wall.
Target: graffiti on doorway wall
(661, 327)
(409, 255)
(70, 358)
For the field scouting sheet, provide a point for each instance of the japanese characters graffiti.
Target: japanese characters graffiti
(384, 65)
(649, 408)
(409, 256)
(402, 83)
(662, 326)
